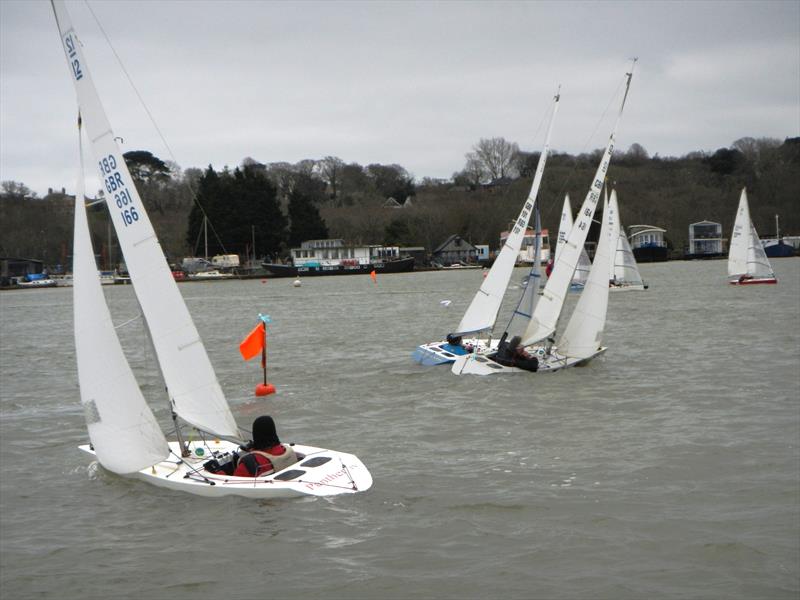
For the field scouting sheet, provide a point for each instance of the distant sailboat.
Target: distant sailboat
(125, 436)
(625, 276)
(747, 262)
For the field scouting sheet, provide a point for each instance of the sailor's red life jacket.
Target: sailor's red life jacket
(549, 268)
(263, 462)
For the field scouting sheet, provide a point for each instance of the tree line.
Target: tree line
(266, 209)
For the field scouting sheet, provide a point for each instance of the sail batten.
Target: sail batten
(482, 311)
(188, 373)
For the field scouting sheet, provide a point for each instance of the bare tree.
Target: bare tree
(496, 155)
(330, 169)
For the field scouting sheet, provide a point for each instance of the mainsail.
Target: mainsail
(482, 312)
(124, 433)
(191, 382)
(545, 317)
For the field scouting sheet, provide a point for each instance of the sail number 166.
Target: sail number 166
(115, 185)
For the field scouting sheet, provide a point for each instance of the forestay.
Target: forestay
(583, 334)
(191, 382)
(123, 430)
(548, 310)
(482, 312)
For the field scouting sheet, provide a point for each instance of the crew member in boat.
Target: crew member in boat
(266, 454)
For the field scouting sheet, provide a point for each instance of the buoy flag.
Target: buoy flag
(374, 276)
(254, 342)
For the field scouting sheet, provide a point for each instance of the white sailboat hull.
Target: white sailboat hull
(480, 364)
(341, 474)
(443, 352)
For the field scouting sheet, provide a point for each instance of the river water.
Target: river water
(669, 468)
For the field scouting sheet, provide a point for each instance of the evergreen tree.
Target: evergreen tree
(306, 222)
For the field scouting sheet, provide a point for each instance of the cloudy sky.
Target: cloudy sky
(413, 83)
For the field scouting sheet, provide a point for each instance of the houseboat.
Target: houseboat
(706, 241)
(334, 257)
(647, 243)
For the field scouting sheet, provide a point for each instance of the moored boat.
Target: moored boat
(334, 257)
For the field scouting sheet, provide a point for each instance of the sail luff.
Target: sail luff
(550, 305)
(122, 429)
(482, 311)
(582, 336)
(193, 387)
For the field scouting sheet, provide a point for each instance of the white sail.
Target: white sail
(191, 382)
(740, 239)
(625, 269)
(564, 227)
(583, 335)
(482, 312)
(758, 264)
(614, 232)
(548, 310)
(122, 429)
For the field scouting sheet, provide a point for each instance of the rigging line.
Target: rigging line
(191, 469)
(186, 182)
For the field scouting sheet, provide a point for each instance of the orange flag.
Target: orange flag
(374, 276)
(254, 342)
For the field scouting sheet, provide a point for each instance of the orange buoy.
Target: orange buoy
(265, 389)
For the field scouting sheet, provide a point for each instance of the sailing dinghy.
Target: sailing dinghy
(580, 341)
(624, 276)
(482, 311)
(747, 262)
(125, 436)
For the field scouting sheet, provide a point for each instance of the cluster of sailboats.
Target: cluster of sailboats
(528, 342)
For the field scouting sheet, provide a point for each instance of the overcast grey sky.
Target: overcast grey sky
(413, 83)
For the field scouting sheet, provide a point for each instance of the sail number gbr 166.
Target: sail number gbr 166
(116, 187)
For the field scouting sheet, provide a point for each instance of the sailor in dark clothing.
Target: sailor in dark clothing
(511, 354)
(266, 454)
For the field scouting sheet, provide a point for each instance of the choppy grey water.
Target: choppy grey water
(669, 468)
